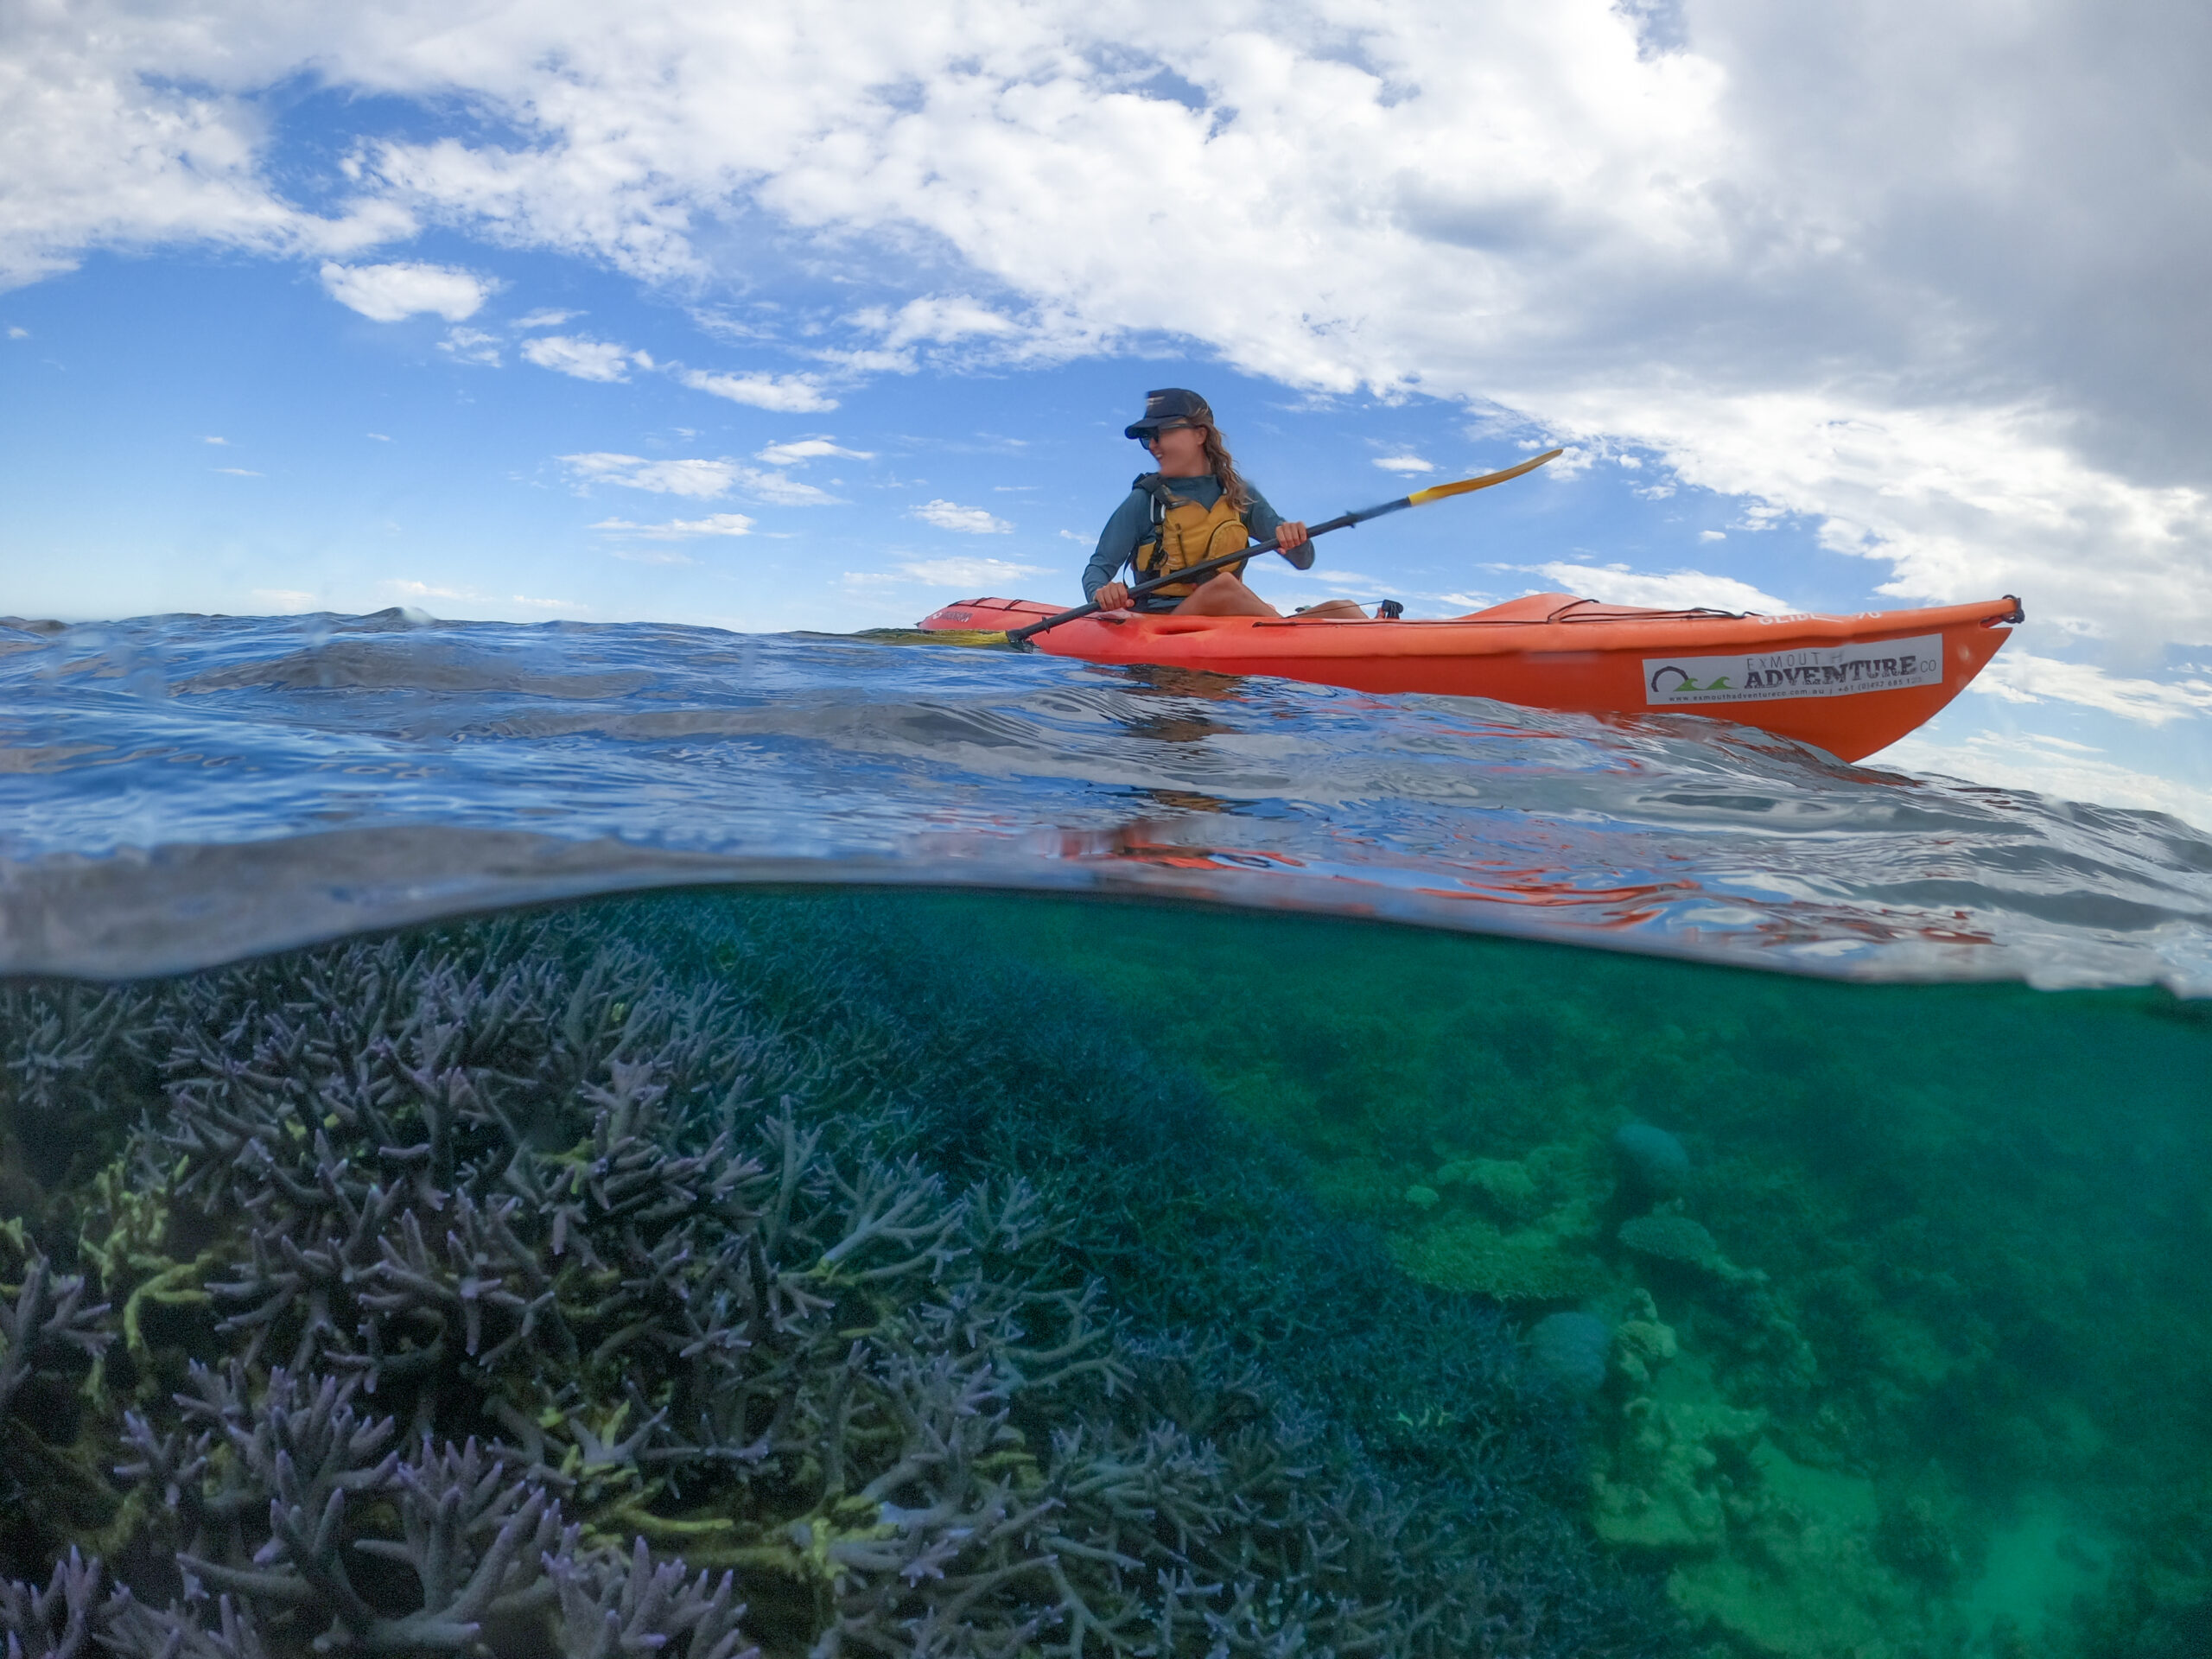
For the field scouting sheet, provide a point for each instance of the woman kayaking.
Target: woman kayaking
(1194, 507)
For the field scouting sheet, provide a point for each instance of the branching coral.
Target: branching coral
(481, 1547)
(546, 1289)
(57, 1622)
(59, 1045)
(607, 1612)
(47, 1321)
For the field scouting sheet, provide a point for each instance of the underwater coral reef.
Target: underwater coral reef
(690, 1277)
(1905, 1290)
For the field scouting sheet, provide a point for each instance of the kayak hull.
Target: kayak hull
(1848, 684)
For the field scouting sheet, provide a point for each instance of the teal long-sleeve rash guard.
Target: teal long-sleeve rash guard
(1132, 523)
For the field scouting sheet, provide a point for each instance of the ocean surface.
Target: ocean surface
(326, 775)
(641, 1139)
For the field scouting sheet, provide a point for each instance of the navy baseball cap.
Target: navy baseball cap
(1170, 406)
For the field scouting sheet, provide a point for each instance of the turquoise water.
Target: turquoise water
(995, 1186)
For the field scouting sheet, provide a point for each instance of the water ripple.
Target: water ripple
(181, 791)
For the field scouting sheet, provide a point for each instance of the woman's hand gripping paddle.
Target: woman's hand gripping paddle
(1301, 557)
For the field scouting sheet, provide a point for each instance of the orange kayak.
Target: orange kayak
(1849, 684)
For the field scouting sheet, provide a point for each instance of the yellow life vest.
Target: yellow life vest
(1183, 534)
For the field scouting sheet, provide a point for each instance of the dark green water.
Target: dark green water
(1948, 1380)
(1070, 1277)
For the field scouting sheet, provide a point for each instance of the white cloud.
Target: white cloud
(18, 334)
(790, 394)
(132, 131)
(781, 490)
(718, 524)
(546, 318)
(236, 471)
(652, 556)
(1713, 535)
(699, 478)
(381, 437)
(389, 293)
(587, 359)
(221, 441)
(1960, 503)
(938, 319)
(801, 450)
(692, 478)
(2019, 676)
(1679, 590)
(967, 573)
(971, 521)
(472, 346)
(960, 330)
(285, 600)
(1404, 464)
(430, 590)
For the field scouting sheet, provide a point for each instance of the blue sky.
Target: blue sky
(817, 317)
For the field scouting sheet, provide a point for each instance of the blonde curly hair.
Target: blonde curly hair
(1223, 464)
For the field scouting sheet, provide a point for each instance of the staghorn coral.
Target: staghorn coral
(1195, 1221)
(52, 1343)
(63, 1047)
(607, 1611)
(62, 1620)
(46, 1322)
(67, 1055)
(485, 1549)
(552, 1287)
(271, 1492)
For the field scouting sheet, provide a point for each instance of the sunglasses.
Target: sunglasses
(1151, 440)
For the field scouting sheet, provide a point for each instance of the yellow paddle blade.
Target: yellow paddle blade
(1437, 492)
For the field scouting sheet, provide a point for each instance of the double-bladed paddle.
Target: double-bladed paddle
(1019, 638)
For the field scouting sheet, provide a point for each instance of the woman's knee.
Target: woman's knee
(1225, 595)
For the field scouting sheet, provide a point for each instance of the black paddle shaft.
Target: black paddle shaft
(1019, 637)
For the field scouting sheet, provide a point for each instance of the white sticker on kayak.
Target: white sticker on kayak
(1842, 671)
